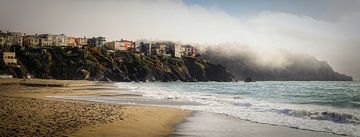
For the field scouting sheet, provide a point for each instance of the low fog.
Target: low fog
(245, 62)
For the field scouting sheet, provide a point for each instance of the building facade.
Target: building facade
(115, 45)
(46, 40)
(31, 41)
(10, 59)
(178, 51)
(59, 40)
(70, 41)
(96, 42)
(11, 38)
(189, 51)
(2, 41)
(80, 42)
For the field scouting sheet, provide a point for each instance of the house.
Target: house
(129, 45)
(31, 40)
(145, 48)
(46, 39)
(52, 40)
(115, 45)
(70, 41)
(2, 41)
(159, 49)
(11, 38)
(178, 51)
(189, 51)
(96, 42)
(59, 40)
(123, 45)
(10, 59)
(81, 41)
(15, 40)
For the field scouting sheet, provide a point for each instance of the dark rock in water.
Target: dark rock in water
(95, 64)
(248, 79)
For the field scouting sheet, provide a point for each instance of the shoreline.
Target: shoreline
(150, 120)
(203, 124)
(145, 119)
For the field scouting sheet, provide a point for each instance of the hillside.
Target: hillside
(96, 64)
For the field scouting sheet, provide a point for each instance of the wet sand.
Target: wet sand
(25, 110)
(203, 124)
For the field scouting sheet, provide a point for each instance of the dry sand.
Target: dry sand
(22, 116)
(26, 111)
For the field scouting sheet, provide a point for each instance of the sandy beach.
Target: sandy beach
(27, 111)
(30, 108)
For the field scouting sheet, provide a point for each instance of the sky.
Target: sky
(326, 29)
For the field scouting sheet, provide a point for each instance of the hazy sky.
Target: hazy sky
(326, 29)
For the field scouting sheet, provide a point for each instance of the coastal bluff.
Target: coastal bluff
(92, 63)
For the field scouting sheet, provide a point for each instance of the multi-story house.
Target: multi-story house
(115, 45)
(70, 41)
(59, 40)
(11, 38)
(46, 39)
(189, 51)
(81, 42)
(10, 59)
(123, 45)
(31, 40)
(158, 49)
(178, 51)
(15, 40)
(145, 48)
(96, 42)
(129, 45)
(2, 41)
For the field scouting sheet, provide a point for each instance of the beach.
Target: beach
(38, 107)
(26, 110)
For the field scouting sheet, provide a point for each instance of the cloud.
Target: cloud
(335, 41)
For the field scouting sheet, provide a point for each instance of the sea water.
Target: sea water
(319, 106)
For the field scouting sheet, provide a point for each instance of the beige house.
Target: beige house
(46, 40)
(70, 41)
(159, 49)
(52, 40)
(15, 40)
(178, 51)
(2, 40)
(59, 40)
(115, 45)
(10, 38)
(31, 40)
(10, 59)
(81, 41)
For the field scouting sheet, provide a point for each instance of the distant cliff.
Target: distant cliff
(96, 64)
(242, 65)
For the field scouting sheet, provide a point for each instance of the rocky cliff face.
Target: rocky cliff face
(96, 64)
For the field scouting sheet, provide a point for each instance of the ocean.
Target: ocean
(328, 106)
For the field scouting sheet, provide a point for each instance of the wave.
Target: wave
(337, 117)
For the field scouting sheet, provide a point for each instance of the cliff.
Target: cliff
(96, 64)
